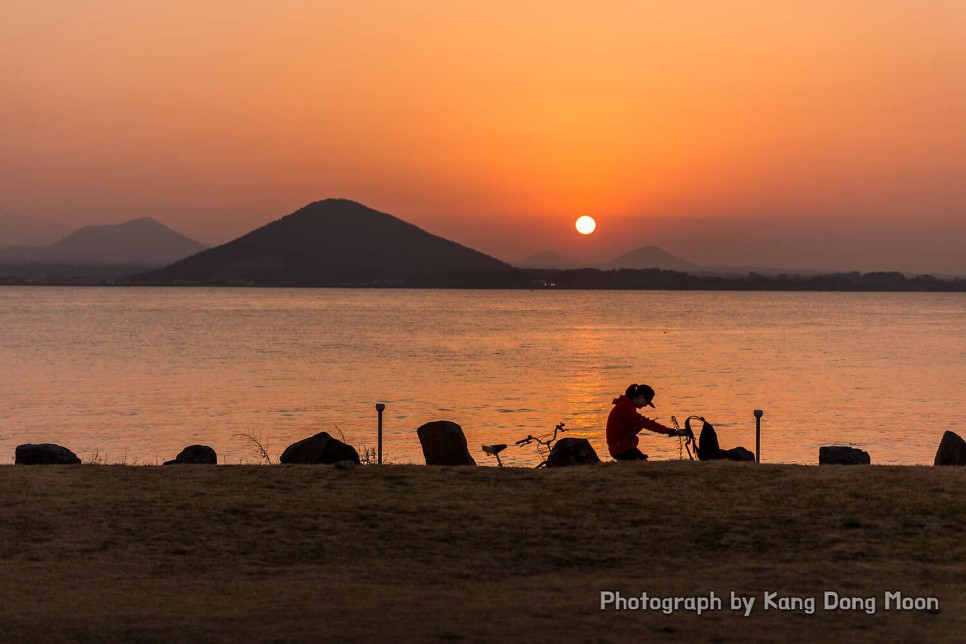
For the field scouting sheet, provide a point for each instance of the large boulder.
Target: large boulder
(952, 450)
(738, 454)
(321, 448)
(44, 454)
(195, 455)
(842, 455)
(572, 451)
(443, 443)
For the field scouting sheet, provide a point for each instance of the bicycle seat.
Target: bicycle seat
(493, 450)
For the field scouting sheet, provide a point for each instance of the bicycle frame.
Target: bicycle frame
(542, 441)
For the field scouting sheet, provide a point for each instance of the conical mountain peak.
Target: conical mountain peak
(328, 242)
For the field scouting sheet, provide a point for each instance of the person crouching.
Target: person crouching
(624, 423)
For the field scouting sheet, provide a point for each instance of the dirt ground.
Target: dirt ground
(94, 553)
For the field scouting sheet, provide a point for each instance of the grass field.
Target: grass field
(307, 553)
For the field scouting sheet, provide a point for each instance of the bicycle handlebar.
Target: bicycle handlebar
(546, 439)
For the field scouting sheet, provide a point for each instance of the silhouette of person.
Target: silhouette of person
(624, 423)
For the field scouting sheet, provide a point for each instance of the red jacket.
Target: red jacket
(624, 423)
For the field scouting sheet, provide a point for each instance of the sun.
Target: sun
(586, 225)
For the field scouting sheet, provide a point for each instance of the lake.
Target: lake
(135, 374)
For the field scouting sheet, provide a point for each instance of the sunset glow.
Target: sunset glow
(473, 120)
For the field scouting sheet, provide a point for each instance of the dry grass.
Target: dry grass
(304, 553)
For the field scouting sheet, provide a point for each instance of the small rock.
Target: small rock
(738, 454)
(195, 455)
(345, 465)
(842, 455)
(572, 451)
(443, 443)
(952, 450)
(321, 448)
(44, 454)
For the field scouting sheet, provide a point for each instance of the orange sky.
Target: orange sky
(492, 123)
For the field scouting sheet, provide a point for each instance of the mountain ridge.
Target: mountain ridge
(327, 242)
(649, 256)
(143, 240)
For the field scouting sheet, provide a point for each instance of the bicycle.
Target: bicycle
(542, 442)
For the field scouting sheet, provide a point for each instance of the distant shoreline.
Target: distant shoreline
(510, 279)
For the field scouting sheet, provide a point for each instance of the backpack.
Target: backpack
(708, 448)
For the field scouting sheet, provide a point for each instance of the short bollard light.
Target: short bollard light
(758, 414)
(379, 409)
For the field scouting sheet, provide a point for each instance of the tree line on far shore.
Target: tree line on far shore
(656, 279)
(516, 278)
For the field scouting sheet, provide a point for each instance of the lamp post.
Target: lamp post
(379, 409)
(758, 414)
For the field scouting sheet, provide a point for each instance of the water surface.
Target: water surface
(134, 374)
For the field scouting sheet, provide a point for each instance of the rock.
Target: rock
(842, 455)
(345, 465)
(195, 455)
(44, 454)
(952, 450)
(321, 448)
(443, 443)
(738, 454)
(572, 451)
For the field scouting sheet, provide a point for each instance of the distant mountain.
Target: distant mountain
(20, 230)
(549, 259)
(330, 242)
(652, 257)
(141, 241)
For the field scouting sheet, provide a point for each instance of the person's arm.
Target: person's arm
(652, 425)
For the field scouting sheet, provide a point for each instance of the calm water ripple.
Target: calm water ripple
(137, 374)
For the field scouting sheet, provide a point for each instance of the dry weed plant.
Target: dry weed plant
(341, 435)
(256, 445)
(96, 458)
(367, 456)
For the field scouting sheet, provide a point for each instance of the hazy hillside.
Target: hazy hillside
(328, 242)
(20, 230)
(641, 258)
(651, 257)
(141, 241)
